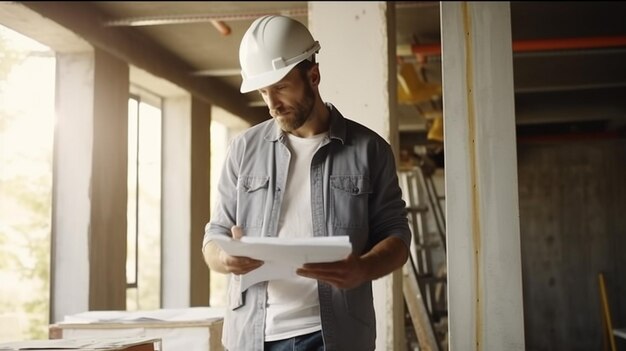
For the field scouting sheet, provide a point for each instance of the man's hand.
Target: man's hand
(220, 261)
(237, 264)
(387, 256)
(345, 274)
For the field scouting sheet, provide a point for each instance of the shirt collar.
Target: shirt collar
(337, 129)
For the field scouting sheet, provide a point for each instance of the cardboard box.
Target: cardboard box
(86, 344)
(191, 329)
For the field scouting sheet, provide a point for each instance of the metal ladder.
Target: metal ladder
(424, 285)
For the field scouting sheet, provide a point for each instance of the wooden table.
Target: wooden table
(91, 344)
(188, 329)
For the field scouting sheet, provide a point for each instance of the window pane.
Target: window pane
(219, 146)
(27, 75)
(144, 206)
(131, 276)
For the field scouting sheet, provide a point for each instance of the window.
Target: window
(224, 126)
(143, 264)
(27, 75)
(219, 135)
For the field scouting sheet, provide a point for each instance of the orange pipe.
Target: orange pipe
(539, 45)
(222, 27)
(426, 49)
(568, 43)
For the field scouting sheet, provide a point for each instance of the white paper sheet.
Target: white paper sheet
(168, 315)
(173, 338)
(78, 344)
(282, 256)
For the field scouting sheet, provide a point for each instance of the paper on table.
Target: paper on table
(78, 344)
(169, 315)
(282, 256)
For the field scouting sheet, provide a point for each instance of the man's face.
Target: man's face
(290, 101)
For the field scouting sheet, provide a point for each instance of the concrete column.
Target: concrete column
(357, 64)
(109, 185)
(185, 201)
(73, 155)
(484, 264)
(200, 198)
(176, 202)
(89, 185)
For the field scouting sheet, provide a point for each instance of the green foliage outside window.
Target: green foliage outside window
(25, 204)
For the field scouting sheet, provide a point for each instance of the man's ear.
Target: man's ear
(314, 75)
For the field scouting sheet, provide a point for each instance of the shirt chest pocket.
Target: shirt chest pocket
(251, 196)
(349, 196)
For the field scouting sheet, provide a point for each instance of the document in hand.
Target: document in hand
(282, 256)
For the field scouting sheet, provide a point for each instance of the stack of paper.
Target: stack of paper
(282, 256)
(189, 314)
(86, 344)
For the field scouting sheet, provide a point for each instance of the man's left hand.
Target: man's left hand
(345, 274)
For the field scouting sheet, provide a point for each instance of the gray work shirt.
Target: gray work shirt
(354, 192)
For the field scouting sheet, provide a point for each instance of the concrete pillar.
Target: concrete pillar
(73, 155)
(484, 264)
(176, 202)
(200, 199)
(357, 64)
(185, 201)
(89, 185)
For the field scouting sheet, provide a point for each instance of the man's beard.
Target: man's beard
(300, 112)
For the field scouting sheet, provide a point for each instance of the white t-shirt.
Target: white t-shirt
(293, 305)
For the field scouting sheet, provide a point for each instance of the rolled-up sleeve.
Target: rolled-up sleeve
(388, 214)
(223, 215)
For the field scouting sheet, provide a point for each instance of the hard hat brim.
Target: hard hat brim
(266, 79)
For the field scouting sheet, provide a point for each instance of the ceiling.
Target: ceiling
(569, 57)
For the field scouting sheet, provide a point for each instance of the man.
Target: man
(307, 172)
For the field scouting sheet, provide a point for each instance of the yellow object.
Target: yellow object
(606, 312)
(436, 130)
(411, 88)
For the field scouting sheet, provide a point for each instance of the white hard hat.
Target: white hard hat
(270, 48)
